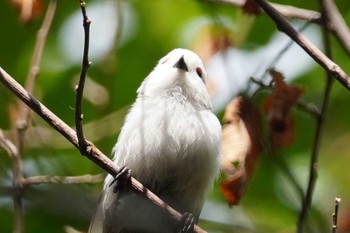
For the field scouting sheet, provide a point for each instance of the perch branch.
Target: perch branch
(92, 153)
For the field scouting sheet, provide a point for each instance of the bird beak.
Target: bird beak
(181, 64)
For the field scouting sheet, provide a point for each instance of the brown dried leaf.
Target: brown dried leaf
(278, 107)
(210, 40)
(251, 8)
(343, 219)
(241, 147)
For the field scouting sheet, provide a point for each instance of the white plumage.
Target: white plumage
(171, 142)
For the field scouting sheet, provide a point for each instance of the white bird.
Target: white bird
(171, 141)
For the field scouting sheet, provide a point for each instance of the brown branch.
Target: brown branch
(22, 121)
(84, 179)
(285, 10)
(335, 215)
(24, 115)
(85, 146)
(306, 202)
(92, 153)
(17, 183)
(335, 23)
(80, 87)
(7, 145)
(284, 26)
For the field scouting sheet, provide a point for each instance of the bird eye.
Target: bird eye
(199, 72)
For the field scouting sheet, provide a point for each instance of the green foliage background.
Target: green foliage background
(268, 205)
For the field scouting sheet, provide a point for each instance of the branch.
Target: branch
(92, 153)
(336, 24)
(284, 26)
(80, 87)
(24, 115)
(84, 179)
(16, 191)
(84, 146)
(22, 121)
(306, 107)
(306, 202)
(7, 145)
(285, 10)
(335, 215)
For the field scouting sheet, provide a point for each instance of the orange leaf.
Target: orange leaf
(28, 9)
(241, 147)
(278, 107)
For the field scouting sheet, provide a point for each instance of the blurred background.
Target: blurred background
(127, 39)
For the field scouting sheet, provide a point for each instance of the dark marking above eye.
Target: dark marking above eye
(199, 72)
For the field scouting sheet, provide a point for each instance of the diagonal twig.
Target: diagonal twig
(285, 10)
(92, 152)
(22, 121)
(284, 26)
(335, 23)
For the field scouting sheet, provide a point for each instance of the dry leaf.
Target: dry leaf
(278, 107)
(241, 147)
(28, 9)
(343, 219)
(210, 40)
(251, 8)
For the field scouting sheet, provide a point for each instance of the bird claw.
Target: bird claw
(186, 224)
(122, 177)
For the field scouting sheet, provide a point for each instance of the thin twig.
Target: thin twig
(306, 107)
(285, 10)
(24, 115)
(336, 24)
(84, 179)
(80, 87)
(22, 121)
(306, 202)
(17, 183)
(335, 215)
(283, 51)
(92, 152)
(7, 145)
(284, 26)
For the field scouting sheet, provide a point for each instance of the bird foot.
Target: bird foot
(123, 177)
(186, 224)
